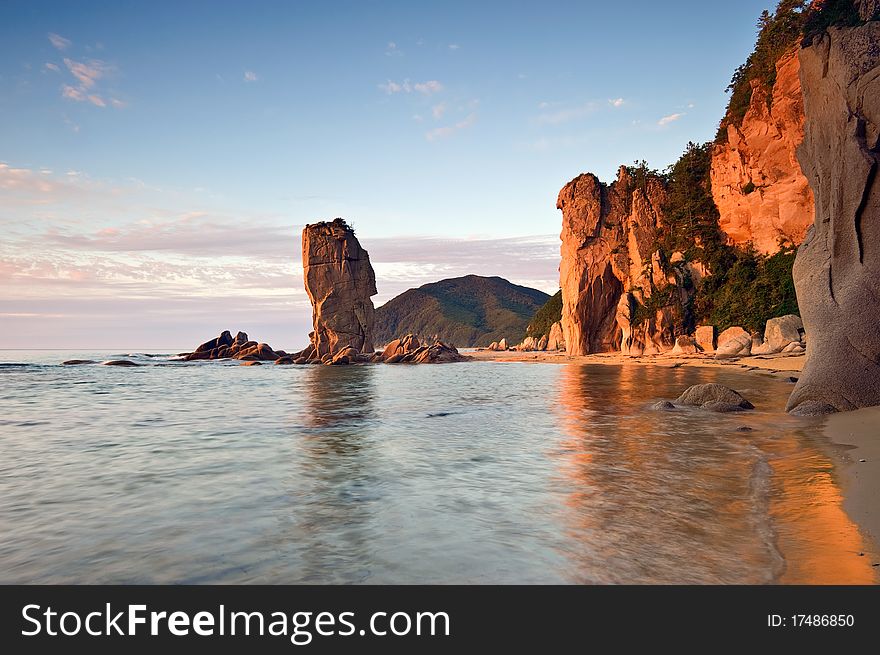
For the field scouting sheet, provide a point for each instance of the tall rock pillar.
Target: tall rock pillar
(339, 281)
(837, 270)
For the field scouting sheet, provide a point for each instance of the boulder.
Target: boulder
(715, 395)
(502, 345)
(837, 269)
(225, 339)
(733, 342)
(339, 281)
(684, 345)
(780, 332)
(555, 339)
(251, 363)
(705, 338)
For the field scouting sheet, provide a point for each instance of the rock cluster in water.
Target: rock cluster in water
(837, 270)
(239, 347)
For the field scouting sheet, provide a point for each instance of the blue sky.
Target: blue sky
(157, 160)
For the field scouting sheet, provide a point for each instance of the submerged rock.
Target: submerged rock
(714, 397)
(663, 405)
(119, 362)
(76, 362)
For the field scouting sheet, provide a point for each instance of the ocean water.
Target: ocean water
(478, 472)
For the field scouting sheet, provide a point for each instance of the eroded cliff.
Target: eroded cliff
(757, 184)
(618, 290)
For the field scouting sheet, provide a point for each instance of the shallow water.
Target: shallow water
(479, 472)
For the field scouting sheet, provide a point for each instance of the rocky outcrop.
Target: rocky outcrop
(555, 338)
(705, 338)
(409, 350)
(339, 281)
(733, 342)
(240, 347)
(837, 270)
(780, 333)
(618, 291)
(757, 184)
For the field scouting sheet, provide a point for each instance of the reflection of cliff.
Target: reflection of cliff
(679, 498)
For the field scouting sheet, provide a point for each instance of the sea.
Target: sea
(476, 472)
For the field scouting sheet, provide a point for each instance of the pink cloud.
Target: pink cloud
(58, 41)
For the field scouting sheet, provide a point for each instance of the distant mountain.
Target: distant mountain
(465, 311)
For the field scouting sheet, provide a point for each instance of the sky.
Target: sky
(159, 160)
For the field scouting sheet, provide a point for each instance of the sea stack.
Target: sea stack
(339, 281)
(837, 270)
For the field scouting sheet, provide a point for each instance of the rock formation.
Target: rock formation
(409, 350)
(733, 342)
(339, 281)
(240, 347)
(555, 338)
(618, 292)
(837, 271)
(757, 184)
(779, 334)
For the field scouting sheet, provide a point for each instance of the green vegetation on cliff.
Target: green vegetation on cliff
(793, 22)
(465, 311)
(744, 287)
(545, 317)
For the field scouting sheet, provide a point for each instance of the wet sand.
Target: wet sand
(858, 436)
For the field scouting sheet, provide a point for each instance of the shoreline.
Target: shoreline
(778, 365)
(853, 437)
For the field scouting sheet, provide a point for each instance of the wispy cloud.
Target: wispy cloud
(426, 88)
(671, 118)
(444, 132)
(49, 66)
(454, 46)
(250, 76)
(616, 102)
(391, 50)
(437, 111)
(58, 42)
(87, 72)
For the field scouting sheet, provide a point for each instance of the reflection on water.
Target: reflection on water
(475, 472)
(685, 497)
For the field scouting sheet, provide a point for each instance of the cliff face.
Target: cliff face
(757, 184)
(837, 270)
(617, 291)
(339, 281)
